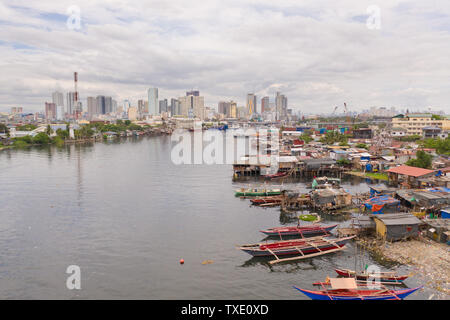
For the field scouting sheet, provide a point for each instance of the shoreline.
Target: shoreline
(429, 260)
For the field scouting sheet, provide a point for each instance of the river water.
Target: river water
(125, 214)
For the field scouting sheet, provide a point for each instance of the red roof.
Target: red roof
(410, 171)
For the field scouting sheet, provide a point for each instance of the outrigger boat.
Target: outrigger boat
(303, 248)
(347, 289)
(302, 231)
(276, 175)
(385, 277)
(271, 200)
(257, 192)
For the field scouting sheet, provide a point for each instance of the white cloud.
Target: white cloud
(319, 53)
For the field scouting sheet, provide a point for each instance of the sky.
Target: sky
(319, 53)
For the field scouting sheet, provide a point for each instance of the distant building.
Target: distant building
(16, 110)
(70, 102)
(265, 104)
(415, 122)
(192, 106)
(153, 106)
(251, 104)
(194, 93)
(132, 113)
(58, 98)
(101, 105)
(50, 111)
(163, 106)
(174, 107)
(92, 107)
(280, 106)
(224, 107)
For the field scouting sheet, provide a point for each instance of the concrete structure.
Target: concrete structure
(50, 111)
(415, 122)
(153, 106)
(58, 98)
(265, 107)
(251, 105)
(192, 106)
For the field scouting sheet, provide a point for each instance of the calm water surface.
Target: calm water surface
(126, 215)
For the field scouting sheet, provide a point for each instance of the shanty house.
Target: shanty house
(396, 226)
(409, 174)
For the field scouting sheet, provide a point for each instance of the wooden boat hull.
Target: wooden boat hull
(358, 294)
(287, 248)
(276, 175)
(256, 194)
(299, 231)
(265, 200)
(382, 278)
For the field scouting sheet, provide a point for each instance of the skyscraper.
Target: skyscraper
(192, 106)
(265, 104)
(251, 104)
(50, 111)
(194, 93)
(174, 107)
(58, 98)
(108, 104)
(163, 106)
(92, 107)
(153, 106)
(70, 99)
(101, 105)
(281, 106)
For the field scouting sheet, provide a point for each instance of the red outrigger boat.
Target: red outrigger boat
(301, 248)
(307, 231)
(276, 175)
(274, 200)
(388, 277)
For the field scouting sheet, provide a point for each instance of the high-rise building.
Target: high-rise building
(58, 98)
(114, 106)
(153, 106)
(126, 106)
(194, 93)
(251, 104)
(265, 104)
(233, 110)
(16, 110)
(50, 111)
(163, 106)
(60, 113)
(132, 113)
(192, 106)
(174, 107)
(101, 105)
(280, 106)
(108, 104)
(92, 107)
(70, 99)
(141, 107)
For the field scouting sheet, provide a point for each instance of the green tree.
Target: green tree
(41, 138)
(4, 129)
(423, 160)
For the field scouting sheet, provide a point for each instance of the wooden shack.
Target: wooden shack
(396, 226)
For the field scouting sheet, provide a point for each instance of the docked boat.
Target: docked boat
(302, 248)
(263, 201)
(257, 192)
(325, 182)
(349, 290)
(276, 175)
(385, 277)
(302, 231)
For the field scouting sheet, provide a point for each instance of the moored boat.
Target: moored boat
(257, 192)
(307, 231)
(390, 277)
(357, 294)
(276, 175)
(266, 200)
(301, 247)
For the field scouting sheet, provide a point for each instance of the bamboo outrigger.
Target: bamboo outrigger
(301, 248)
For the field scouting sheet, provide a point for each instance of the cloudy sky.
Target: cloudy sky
(320, 53)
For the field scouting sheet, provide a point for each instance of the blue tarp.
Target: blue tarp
(368, 167)
(377, 204)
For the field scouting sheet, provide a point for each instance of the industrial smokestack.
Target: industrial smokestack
(75, 75)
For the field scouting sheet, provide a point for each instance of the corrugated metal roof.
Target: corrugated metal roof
(410, 171)
(391, 219)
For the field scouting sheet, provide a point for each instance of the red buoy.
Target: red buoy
(181, 261)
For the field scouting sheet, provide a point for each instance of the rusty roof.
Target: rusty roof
(410, 171)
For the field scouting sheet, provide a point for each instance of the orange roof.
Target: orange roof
(410, 171)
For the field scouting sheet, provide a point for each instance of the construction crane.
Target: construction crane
(345, 112)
